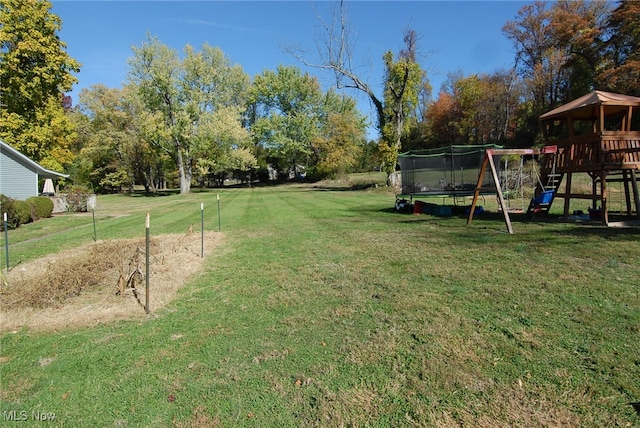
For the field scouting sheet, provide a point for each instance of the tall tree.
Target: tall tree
(404, 81)
(335, 52)
(578, 29)
(538, 61)
(299, 125)
(341, 139)
(286, 117)
(115, 153)
(557, 48)
(620, 72)
(487, 105)
(224, 146)
(442, 118)
(35, 72)
(181, 94)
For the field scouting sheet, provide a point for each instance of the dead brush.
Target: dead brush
(79, 286)
(131, 273)
(100, 265)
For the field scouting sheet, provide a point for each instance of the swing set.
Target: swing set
(538, 203)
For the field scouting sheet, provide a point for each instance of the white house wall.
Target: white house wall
(16, 181)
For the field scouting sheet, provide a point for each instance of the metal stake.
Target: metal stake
(146, 306)
(93, 213)
(202, 229)
(218, 197)
(6, 240)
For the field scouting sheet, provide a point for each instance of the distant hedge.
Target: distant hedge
(7, 205)
(21, 212)
(41, 207)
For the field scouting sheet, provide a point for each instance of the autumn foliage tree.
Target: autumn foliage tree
(337, 148)
(620, 71)
(35, 73)
(558, 48)
(404, 79)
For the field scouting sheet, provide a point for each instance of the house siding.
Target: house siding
(19, 175)
(16, 180)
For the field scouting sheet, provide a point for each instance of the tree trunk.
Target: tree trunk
(185, 173)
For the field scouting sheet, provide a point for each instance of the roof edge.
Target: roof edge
(592, 98)
(40, 170)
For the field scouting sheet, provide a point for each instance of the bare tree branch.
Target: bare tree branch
(335, 54)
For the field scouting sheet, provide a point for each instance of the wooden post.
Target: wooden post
(636, 196)
(567, 195)
(503, 205)
(604, 190)
(476, 193)
(594, 191)
(91, 204)
(627, 193)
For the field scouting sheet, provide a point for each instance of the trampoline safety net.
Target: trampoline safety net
(445, 171)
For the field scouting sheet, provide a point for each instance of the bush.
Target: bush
(41, 207)
(23, 211)
(7, 205)
(77, 198)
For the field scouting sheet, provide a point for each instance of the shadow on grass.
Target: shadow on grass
(541, 227)
(346, 188)
(622, 233)
(158, 194)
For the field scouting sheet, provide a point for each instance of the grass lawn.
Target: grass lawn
(325, 307)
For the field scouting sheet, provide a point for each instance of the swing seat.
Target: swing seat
(544, 198)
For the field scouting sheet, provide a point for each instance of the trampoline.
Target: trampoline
(449, 171)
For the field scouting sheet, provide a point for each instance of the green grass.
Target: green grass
(324, 307)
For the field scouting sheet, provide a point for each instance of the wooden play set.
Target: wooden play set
(597, 134)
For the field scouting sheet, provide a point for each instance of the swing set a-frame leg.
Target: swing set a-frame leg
(488, 160)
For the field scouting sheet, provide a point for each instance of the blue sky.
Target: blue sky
(454, 35)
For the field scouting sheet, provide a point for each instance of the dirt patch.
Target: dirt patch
(100, 282)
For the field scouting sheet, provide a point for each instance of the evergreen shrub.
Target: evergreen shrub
(23, 211)
(7, 205)
(41, 207)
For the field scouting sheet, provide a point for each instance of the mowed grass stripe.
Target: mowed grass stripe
(326, 308)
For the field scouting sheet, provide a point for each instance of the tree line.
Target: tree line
(563, 50)
(191, 117)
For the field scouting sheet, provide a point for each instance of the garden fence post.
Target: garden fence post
(6, 240)
(147, 266)
(93, 214)
(201, 229)
(218, 198)
(91, 205)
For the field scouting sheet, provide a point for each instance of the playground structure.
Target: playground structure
(597, 134)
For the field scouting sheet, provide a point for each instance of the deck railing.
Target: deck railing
(595, 152)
